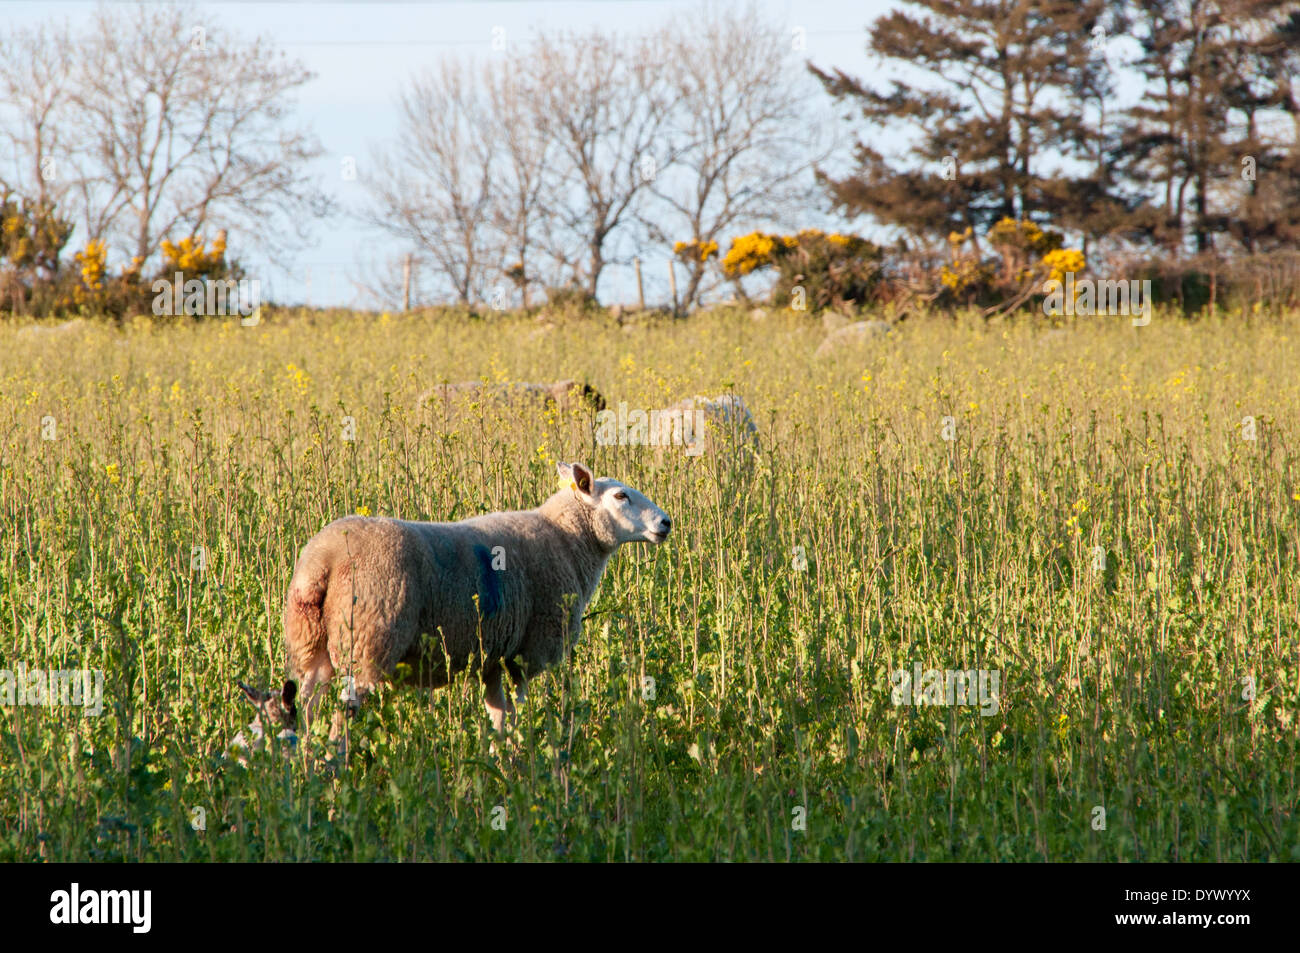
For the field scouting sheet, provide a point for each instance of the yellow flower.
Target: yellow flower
(92, 264)
(1024, 234)
(749, 252)
(695, 250)
(299, 377)
(363, 511)
(965, 273)
(1062, 261)
(188, 256)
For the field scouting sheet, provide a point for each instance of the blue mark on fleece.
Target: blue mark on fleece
(489, 582)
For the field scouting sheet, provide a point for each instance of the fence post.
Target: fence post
(672, 283)
(640, 290)
(406, 283)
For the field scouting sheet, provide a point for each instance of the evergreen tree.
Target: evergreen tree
(1195, 146)
(987, 134)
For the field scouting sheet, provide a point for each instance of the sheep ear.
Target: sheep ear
(289, 716)
(575, 476)
(582, 478)
(252, 694)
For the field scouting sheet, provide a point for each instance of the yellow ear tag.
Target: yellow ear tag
(568, 485)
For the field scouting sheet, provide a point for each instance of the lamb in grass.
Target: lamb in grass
(272, 709)
(499, 593)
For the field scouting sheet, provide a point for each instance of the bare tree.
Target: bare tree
(435, 189)
(524, 153)
(36, 74)
(605, 105)
(184, 129)
(747, 145)
(567, 158)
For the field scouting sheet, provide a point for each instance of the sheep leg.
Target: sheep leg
(520, 679)
(499, 705)
(313, 680)
(349, 710)
(337, 726)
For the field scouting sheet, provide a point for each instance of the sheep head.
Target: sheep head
(274, 711)
(618, 513)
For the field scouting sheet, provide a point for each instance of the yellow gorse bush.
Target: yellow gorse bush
(695, 250)
(91, 262)
(749, 252)
(757, 250)
(1028, 251)
(13, 225)
(1061, 261)
(188, 255)
(964, 273)
(815, 269)
(849, 244)
(1024, 234)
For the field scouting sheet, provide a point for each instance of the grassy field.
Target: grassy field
(1101, 531)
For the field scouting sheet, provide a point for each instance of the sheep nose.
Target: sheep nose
(665, 524)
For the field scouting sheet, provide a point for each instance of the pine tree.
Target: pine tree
(1267, 213)
(1195, 146)
(987, 135)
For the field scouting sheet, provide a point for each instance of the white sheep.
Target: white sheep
(722, 421)
(694, 426)
(503, 591)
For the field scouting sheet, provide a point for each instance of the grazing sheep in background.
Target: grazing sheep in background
(728, 413)
(504, 591)
(695, 426)
(727, 423)
(566, 395)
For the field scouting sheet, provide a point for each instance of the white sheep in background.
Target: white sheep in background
(726, 422)
(504, 591)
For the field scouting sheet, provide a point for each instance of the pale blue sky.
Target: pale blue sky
(362, 53)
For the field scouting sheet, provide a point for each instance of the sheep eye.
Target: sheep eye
(620, 495)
